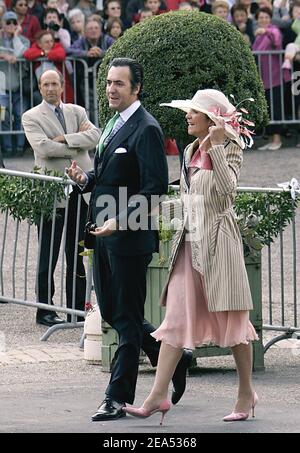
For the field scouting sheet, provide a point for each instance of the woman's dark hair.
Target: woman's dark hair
(105, 6)
(238, 7)
(14, 2)
(51, 11)
(136, 71)
(263, 10)
(292, 6)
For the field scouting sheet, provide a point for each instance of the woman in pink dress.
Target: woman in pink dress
(207, 295)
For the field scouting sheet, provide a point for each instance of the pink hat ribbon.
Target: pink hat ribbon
(237, 122)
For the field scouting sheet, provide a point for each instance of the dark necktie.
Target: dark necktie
(60, 116)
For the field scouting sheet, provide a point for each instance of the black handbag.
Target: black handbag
(88, 239)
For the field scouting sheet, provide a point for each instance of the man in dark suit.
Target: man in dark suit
(130, 169)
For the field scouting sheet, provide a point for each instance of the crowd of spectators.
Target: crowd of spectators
(55, 29)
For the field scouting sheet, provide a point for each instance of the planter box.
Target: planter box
(156, 277)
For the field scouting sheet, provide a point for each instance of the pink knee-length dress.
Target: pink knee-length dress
(187, 322)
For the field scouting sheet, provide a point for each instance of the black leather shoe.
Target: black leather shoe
(49, 319)
(179, 377)
(108, 410)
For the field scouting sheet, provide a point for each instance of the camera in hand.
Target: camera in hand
(53, 26)
(89, 239)
(90, 227)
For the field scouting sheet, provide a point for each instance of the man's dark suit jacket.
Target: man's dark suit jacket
(141, 168)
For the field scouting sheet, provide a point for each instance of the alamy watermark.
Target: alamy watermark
(141, 212)
(296, 83)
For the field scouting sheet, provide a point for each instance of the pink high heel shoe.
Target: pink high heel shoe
(242, 416)
(141, 412)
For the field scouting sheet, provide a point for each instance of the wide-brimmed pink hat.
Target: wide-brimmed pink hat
(219, 109)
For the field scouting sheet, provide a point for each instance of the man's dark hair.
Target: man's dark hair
(52, 11)
(136, 71)
(238, 7)
(61, 77)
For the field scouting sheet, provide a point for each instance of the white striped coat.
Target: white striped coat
(217, 251)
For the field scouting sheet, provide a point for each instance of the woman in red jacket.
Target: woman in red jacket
(46, 47)
(30, 24)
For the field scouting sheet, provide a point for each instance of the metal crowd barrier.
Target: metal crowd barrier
(20, 249)
(286, 93)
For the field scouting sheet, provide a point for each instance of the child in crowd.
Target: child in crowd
(144, 14)
(151, 5)
(114, 27)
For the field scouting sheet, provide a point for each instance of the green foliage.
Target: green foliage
(261, 217)
(182, 52)
(27, 199)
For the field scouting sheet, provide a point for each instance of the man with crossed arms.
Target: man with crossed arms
(58, 133)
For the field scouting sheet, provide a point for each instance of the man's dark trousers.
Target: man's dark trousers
(120, 284)
(70, 248)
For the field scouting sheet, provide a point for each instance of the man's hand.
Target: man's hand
(59, 139)
(109, 227)
(11, 59)
(85, 126)
(76, 173)
(18, 31)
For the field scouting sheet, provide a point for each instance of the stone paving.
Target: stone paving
(41, 353)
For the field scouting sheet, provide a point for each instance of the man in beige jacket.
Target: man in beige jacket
(59, 133)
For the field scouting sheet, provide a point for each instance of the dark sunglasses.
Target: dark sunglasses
(11, 21)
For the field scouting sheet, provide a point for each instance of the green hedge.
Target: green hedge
(182, 52)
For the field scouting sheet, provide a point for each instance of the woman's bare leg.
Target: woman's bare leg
(167, 363)
(242, 354)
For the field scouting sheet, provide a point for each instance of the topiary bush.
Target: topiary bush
(182, 52)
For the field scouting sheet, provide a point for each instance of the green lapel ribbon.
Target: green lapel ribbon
(107, 130)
